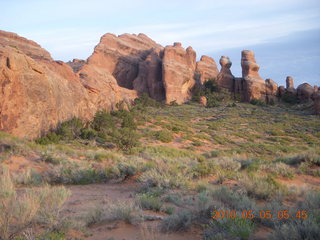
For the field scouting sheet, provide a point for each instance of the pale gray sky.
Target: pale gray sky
(283, 33)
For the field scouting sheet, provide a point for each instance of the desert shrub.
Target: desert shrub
(88, 133)
(126, 138)
(164, 136)
(278, 169)
(144, 101)
(257, 102)
(28, 177)
(228, 164)
(211, 86)
(297, 229)
(181, 221)
(103, 122)
(262, 187)
(168, 152)
(229, 229)
(17, 213)
(50, 138)
(149, 202)
(289, 98)
(128, 120)
(70, 129)
(76, 175)
(113, 211)
(309, 157)
(232, 199)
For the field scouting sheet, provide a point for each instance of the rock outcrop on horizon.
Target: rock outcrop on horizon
(37, 92)
(178, 70)
(254, 85)
(304, 92)
(207, 69)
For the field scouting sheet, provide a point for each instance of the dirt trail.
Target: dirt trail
(85, 197)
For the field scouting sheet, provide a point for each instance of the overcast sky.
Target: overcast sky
(284, 34)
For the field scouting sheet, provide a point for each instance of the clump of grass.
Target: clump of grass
(262, 187)
(18, 213)
(278, 169)
(149, 202)
(181, 221)
(164, 136)
(112, 211)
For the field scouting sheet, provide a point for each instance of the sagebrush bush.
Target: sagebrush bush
(164, 136)
(17, 213)
(181, 221)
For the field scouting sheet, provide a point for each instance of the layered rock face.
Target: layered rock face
(207, 69)
(36, 93)
(254, 85)
(121, 56)
(149, 79)
(271, 90)
(178, 69)
(225, 79)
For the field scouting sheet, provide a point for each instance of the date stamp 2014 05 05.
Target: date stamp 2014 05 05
(260, 214)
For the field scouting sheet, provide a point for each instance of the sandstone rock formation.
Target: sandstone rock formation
(316, 98)
(203, 101)
(304, 92)
(271, 90)
(207, 69)
(121, 56)
(289, 82)
(225, 79)
(149, 79)
(36, 92)
(254, 85)
(281, 91)
(178, 69)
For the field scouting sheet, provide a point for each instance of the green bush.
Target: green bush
(181, 221)
(289, 98)
(88, 133)
(103, 122)
(164, 136)
(51, 138)
(126, 138)
(149, 202)
(144, 101)
(70, 129)
(257, 102)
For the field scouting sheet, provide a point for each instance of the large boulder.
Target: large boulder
(254, 85)
(178, 69)
(207, 69)
(225, 79)
(304, 92)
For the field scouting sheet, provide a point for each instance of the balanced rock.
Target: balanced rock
(178, 67)
(254, 85)
(304, 92)
(207, 69)
(225, 79)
